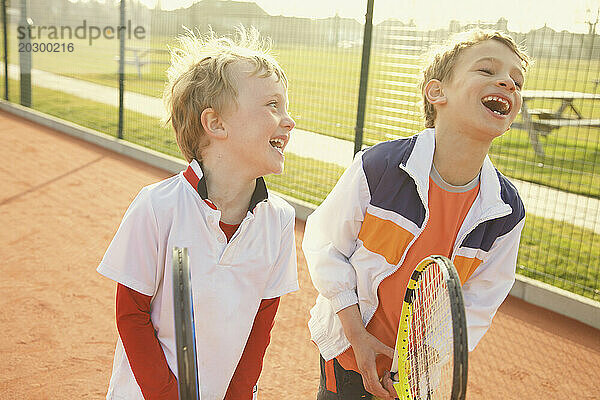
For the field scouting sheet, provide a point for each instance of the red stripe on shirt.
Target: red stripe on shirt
(191, 177)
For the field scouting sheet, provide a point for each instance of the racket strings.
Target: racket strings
(430, 337)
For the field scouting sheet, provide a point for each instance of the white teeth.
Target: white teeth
(498, 99)
(277, 143)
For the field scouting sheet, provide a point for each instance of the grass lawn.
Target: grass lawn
(572, 161)
(562, 255)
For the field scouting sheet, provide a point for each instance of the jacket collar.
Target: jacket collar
(418, 166)
(194, 175)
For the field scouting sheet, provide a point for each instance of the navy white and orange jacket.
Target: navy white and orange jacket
(362, 231)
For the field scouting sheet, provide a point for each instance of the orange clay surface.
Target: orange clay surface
(61, 200)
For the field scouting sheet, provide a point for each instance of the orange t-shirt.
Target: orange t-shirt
(448, 207)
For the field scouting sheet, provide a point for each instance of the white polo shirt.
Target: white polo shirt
(229, 280)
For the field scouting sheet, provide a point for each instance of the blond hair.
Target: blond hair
(442, 61)
(199, 77)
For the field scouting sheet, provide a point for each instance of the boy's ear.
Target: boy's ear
(213, 124)
(434, 92)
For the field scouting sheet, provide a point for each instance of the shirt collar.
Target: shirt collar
(420, 160)
(194, 175)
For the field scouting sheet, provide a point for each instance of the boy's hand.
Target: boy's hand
(388, 385)
(366, 347)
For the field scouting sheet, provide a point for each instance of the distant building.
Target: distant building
(500, 25)
(545, 42)
(401, 35)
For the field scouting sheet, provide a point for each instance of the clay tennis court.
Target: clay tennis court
(61, 200)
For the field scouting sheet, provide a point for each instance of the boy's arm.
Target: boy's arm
(250, 365)
(330, 237)
(489, 285)
(145, 355)
(366, 347)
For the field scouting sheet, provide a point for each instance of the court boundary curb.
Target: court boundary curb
(530, 290)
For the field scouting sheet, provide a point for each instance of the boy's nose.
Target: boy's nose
(288, 122)
(507, 83)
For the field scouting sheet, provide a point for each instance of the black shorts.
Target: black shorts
(340, 384)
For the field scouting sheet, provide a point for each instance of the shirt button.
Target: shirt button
(221, 239)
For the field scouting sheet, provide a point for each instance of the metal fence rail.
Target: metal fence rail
(552, 152)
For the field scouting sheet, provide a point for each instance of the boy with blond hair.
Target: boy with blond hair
(400, 201)
(227, 102)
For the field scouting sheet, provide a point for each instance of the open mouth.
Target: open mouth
(498, 105)
(277, 144)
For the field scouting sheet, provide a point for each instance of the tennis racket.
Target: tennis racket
(185, 337)
(430, 360)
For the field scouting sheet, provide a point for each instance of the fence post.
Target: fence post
(121, 69)
(5, 40)
(25, 59)
(364, 76)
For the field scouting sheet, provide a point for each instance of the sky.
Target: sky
(523, 15)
